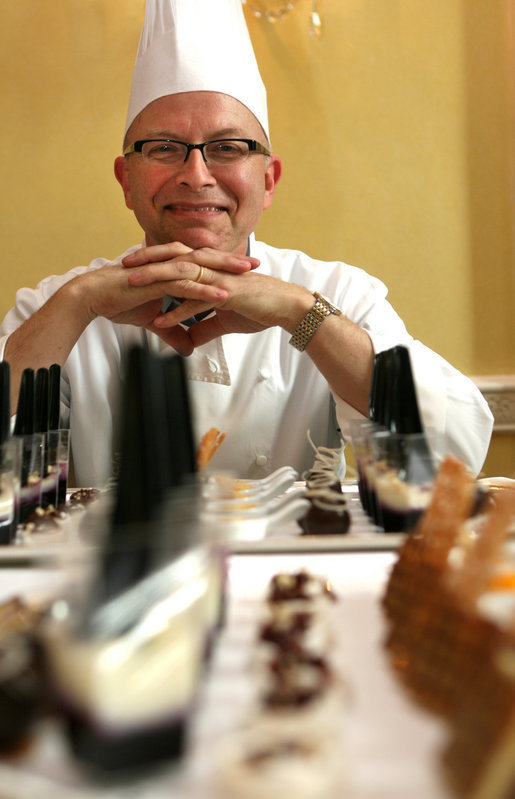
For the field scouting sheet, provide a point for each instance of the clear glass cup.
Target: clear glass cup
(404, 474)
(9, 489)
(64, 464)
(32, 462)
(122, 627)
(361, 431)
(50, 470)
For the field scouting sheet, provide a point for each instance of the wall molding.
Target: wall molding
(499, 392)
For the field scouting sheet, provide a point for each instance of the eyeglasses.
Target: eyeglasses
(218, 152)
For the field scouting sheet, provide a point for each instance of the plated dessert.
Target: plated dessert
(328, 513)
(450, 607)
(50, 518)
(290, 736)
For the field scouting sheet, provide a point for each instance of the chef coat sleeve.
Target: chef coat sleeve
(28, 301)
(455, 415)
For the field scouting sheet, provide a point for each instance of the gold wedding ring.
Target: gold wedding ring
(198, 279)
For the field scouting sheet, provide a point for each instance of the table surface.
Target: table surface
(390, 748)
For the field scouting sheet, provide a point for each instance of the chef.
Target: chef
(276, 342)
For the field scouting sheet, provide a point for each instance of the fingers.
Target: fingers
(158, 252)
(170, 253)
(184, 311)
(175, 337)
(187, 281)
(205, 331)
(196, 276)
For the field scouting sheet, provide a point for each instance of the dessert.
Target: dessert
(50, 467)
(209, 444)
(51, 519)
(62, 482)
(289, 740)
(30, 496)
(7, 512)
(297, 682)
(17, 616)
(288, 629)
(451, 617)
(361, 430)
(400, 478)
(294, 678)
(49, 487)
(301, 588)
(328, 513)
(325, 470)
(44, 519)
(22, 687)
(261, 762)
(399, 504)
(81, 497)
(126, 674)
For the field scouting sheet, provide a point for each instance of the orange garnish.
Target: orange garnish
(208, 445)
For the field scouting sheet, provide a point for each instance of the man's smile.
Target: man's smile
(194, 209)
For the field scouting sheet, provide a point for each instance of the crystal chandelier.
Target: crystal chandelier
(272, 12)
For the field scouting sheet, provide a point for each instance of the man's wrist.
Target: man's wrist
(312, 320)
(75, 300)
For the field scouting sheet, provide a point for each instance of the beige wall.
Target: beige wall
(395, 128)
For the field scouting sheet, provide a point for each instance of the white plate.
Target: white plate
(276, 530)
(363, 536)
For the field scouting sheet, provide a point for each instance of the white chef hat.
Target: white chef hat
(196, 45)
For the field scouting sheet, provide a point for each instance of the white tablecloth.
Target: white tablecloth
(390, 749)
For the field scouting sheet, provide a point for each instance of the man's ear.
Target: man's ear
(122, 176)
(272, 175)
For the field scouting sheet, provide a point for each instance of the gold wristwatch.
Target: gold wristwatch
(312, 321)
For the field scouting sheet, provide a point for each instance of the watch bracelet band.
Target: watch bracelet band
(305, 330)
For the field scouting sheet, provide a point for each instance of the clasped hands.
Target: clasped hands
(204, 279)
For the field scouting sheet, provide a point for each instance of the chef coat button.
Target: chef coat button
(261, 460)
(264, 373)
(213, 366)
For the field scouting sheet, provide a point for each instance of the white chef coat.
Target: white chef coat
(260, 391)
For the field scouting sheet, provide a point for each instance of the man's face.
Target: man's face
(190, 202)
